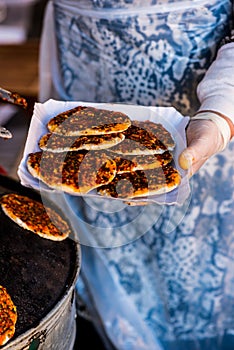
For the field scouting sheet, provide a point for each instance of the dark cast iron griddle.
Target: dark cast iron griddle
(36, 271)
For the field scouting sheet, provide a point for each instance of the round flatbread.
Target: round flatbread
(145, 137)
(142, 183)
(72, 172)
(8, 316)
(34, 216)
(59, 143)
(128, 163)
(83, 120)
(159, 131)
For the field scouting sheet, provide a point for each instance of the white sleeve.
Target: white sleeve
(216, 90)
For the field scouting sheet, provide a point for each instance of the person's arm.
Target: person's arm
(212, 127)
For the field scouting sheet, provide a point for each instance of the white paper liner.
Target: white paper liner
(169, 117)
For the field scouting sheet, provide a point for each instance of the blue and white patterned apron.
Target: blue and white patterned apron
(165, 279)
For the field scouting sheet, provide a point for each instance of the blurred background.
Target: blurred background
(20, 29)
(21, 24)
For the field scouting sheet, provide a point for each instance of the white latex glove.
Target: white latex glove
(207, 134)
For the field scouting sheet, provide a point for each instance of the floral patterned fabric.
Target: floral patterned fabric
(178, 277)
(171, 286)
(142, 52)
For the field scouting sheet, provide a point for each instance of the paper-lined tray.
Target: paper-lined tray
(169, 117)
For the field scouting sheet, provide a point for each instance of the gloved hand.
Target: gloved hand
(207, 134)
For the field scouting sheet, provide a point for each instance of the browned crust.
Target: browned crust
(142, 183)
(34, 216)
(83, 120)
(128, 163)
(145, 138)
(59, 143)
(72, 172)
(158, 130)
(8, 316)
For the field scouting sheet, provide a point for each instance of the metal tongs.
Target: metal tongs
(13, 98)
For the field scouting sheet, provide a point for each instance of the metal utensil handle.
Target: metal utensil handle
(4, 133)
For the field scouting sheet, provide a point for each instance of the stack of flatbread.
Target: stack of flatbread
(87, 149)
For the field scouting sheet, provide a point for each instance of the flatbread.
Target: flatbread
(83, 120)
(128, 163)
(59, 143)
(34, 216)
(8, 316)
(145, 137)
(159, 131)
(72, 172)
(142, 183)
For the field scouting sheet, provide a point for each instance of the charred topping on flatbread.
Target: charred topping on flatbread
(142, 183)
(158, 130)
(59, 143)
(34, 216)
(79, 171)
(8, 316)
(83, 120)
(33, 163)
(145, 138)
(75, 160)
(141, 162)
